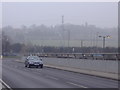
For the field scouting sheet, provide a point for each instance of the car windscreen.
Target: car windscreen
(34, 58)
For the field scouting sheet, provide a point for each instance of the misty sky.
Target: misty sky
(101, 14)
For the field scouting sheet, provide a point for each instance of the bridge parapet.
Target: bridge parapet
(93, 56)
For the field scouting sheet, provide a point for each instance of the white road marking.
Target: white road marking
(5, 84)
(52, 77)
(76, 85)
(19, 60)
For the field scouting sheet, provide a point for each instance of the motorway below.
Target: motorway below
(17, 76)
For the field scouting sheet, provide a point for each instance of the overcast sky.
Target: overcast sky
(101, 14)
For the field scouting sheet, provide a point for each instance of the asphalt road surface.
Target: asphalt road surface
(17, 76)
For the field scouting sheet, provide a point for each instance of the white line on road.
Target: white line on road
(19, 61)
(51, 77)
(76, 85)
(5, 84)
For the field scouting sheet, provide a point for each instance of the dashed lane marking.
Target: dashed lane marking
(19, 60)
(81, 86)
(51, 77)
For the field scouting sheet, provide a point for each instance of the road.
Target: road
(17, 76)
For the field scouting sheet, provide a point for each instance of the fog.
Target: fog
(41, 23)
(101, 14)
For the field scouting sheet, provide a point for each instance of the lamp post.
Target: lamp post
(104, 38)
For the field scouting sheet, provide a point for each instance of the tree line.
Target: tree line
(9, 48)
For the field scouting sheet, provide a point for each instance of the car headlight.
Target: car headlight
(31, 62)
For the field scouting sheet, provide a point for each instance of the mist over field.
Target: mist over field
(58, 36)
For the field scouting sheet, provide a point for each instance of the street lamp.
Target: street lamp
(104, 37)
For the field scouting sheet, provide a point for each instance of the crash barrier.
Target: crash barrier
(107, 66)
(93, 56)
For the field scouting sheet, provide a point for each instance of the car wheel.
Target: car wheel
(29, 66)
(41, 66)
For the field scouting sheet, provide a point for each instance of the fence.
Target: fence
(93, 56)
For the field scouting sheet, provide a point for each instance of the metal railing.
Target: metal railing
(93, 56)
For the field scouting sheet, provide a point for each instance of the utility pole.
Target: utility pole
(68, 41)
(104, 42)
(81, 43)
(68, 38)
(63, 29)
(97, 42)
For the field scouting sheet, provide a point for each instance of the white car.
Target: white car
(33, 61)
